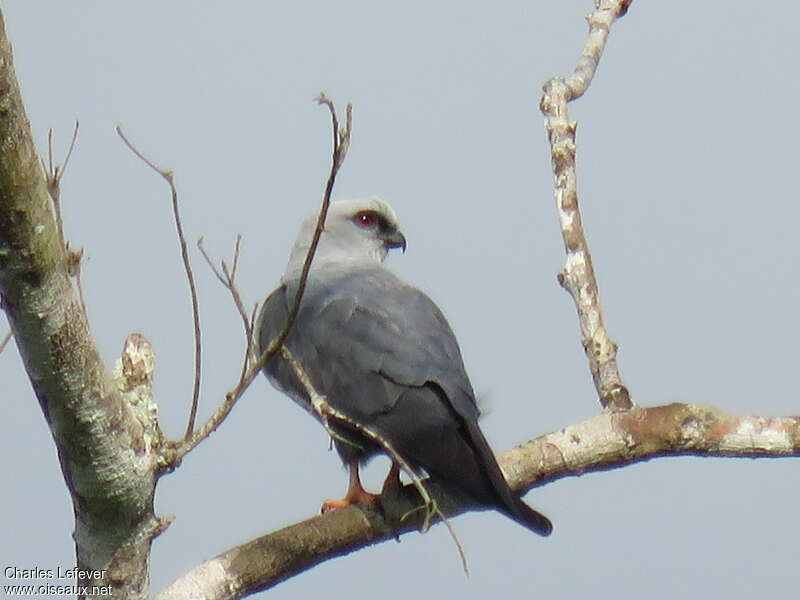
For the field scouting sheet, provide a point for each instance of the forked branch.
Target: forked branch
(341, 142)
(578, 276)
(198, 346)
(227, 277)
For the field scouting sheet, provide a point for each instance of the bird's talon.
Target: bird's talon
(364, 499)
(329, 505)
(356, 494)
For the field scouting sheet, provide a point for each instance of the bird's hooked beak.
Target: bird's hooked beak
(395, 239)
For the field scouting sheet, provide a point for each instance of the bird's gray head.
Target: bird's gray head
(357, 233)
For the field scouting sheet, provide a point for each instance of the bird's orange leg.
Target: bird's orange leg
(356, 494)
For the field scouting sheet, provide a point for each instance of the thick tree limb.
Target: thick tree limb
(578, 277)
(104, 427)
(607, 441)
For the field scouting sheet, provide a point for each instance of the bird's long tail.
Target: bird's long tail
(528, 517)
(508, 501)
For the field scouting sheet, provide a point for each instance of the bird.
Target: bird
(381, 353)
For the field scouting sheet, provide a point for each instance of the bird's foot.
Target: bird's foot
(356, 494)
(360, 497)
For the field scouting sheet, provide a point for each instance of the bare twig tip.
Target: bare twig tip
(69, 151)
(168, 175)
(253, 365)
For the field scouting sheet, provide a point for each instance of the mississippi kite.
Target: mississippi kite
(381, 353)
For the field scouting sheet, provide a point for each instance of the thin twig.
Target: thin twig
(237, 298)
(169, 177)
(227, 277)
(251, 350)
(578, 277)
(49, 169)
(210, 262)
(4, 341)
(320, 405)
(54, 175)
(236, 255)
(341, 142)
(69, 150)
(325, 411)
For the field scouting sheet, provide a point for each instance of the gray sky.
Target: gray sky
(686, 158)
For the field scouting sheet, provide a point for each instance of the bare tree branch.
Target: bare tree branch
(198, 346)
(227, 277)
(104, 439)
(4, 341)
(609, 440)
(341, 142)
(55, 174)
(578, 276)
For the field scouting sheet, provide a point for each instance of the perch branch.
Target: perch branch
(341, 142)
(578, 276)
(609, 440)
(198, 346)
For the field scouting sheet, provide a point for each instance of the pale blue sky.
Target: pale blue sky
(686, 156)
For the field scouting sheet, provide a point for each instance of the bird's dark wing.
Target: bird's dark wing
(383, 354)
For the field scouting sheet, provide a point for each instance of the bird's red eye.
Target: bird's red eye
(366, 219)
